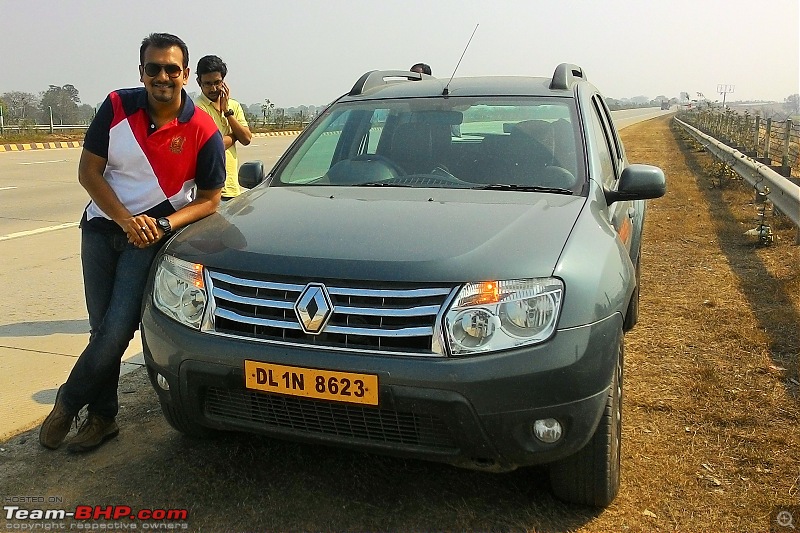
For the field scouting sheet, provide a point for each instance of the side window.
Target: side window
(601, 150)
(606, 114)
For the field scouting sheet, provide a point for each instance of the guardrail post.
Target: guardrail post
(744, 133)
(723, 125)
(767, 141)
(783, 167)
(728, 125)
(730, 128)
(740, 124)
(755, 136)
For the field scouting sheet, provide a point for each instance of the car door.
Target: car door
(622, 214)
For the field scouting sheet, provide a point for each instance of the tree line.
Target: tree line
(61, 104)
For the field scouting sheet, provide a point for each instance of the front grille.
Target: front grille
(383, 319)
(360, 424)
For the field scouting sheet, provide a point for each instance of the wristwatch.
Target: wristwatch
(228, 113)
(164, 224)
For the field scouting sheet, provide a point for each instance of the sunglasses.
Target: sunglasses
(154, 69)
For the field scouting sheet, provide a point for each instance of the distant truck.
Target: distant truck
(665, 104)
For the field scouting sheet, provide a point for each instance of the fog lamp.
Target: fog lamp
(547, 430)
(162, 382)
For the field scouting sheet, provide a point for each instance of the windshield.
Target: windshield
(524, 143)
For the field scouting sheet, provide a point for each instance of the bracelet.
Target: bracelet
(228, 113)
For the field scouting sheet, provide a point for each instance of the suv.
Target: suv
(434, 269)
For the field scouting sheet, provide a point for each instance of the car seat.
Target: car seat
(420, 147)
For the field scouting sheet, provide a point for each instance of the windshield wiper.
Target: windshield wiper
(388, 183)
(523, 188)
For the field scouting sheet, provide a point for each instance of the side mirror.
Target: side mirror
(638, 182)
(251, 174)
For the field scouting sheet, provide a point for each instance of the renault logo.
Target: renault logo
(313, 308)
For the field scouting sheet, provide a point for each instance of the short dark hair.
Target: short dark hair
(208, 64)
(426, 69)
(163, 41)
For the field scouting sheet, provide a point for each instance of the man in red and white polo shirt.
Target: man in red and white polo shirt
(151, 164)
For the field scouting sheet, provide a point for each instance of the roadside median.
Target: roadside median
(24, 146)
(18, 147)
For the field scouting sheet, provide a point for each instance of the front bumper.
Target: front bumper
(474, 412)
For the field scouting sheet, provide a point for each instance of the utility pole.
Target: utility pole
(724, 90)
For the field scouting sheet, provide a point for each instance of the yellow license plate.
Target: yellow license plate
(312, 383)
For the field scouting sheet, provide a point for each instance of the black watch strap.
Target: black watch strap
(164, 224)
(229, 113)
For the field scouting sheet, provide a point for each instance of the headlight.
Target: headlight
(496, 315)
(179, 290)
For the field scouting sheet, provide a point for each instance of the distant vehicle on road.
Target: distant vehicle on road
(665, 104)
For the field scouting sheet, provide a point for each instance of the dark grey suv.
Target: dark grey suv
(436, 269)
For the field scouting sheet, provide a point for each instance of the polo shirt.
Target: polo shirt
(231, 187)
(152, 171)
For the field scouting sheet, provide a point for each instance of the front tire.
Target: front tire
(592, 476)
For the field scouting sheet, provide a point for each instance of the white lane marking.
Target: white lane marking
(6, 188)
(43, 162)
(37, 231)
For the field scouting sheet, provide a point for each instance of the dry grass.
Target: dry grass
(710, 438)
(712, 382)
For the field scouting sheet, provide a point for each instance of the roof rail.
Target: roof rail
(565, 75)
(376, 78)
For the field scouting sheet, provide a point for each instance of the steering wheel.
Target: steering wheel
(385, 161)
(554, 176)
(444, 175)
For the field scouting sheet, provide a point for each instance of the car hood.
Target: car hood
(385, 234)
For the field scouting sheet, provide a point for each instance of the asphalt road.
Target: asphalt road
(44, 327)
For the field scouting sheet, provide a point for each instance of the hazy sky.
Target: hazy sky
(309, 52)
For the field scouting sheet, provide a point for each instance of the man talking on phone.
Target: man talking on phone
(227, 113)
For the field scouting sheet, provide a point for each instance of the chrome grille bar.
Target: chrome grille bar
(390, 319)
(222, 294)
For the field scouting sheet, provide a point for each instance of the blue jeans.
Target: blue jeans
(114, 277)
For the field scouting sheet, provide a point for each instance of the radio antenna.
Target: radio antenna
(446, 90)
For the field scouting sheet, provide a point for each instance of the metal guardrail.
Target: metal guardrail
(783, 193)
(764, 139)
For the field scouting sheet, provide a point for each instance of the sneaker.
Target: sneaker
(56, 426)
(94, 431)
